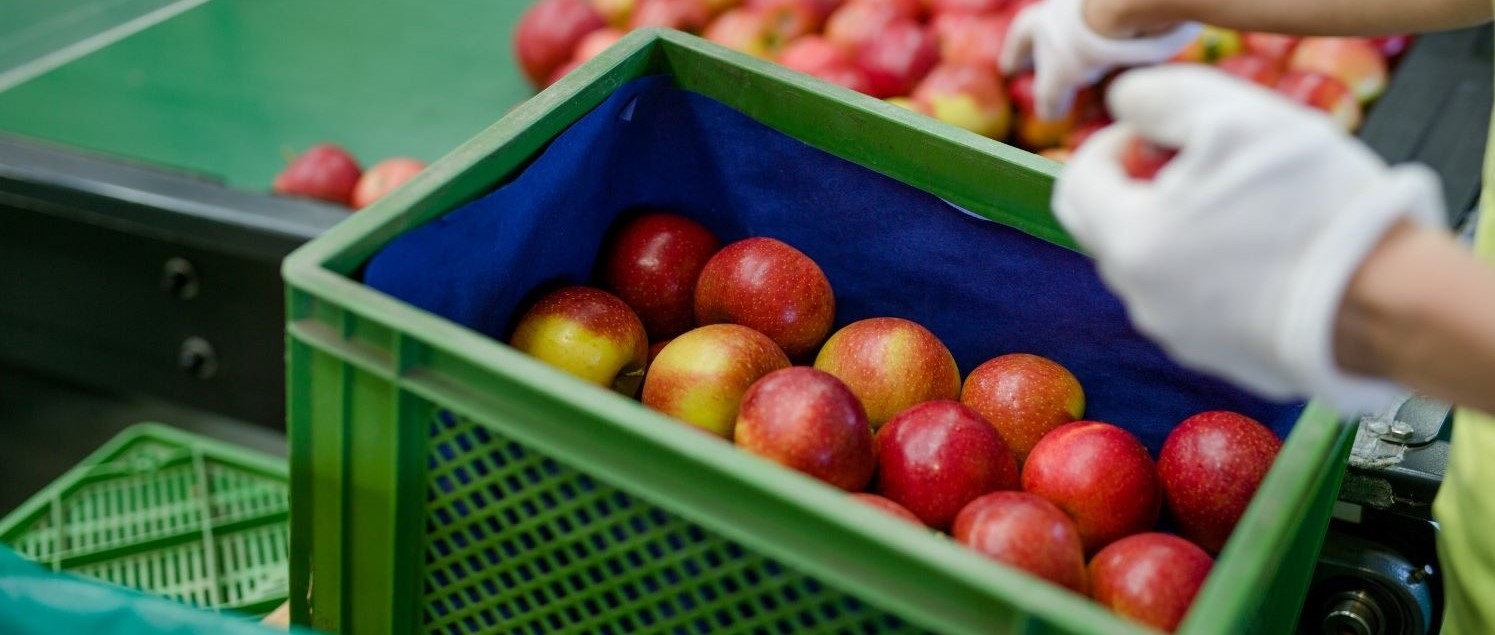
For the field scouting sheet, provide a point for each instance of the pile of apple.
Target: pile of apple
(1004, 461)
(329, 173)
(939, 57)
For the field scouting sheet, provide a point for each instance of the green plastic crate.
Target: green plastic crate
(169, 513)
(446, 483)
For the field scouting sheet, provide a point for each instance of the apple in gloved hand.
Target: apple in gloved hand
(547, 34)
(652, 262)
(891, 364)
(325, 171)
(1027, 532)
(809, 421)
(386, 176)
(1273, 46)
(701, 376)
(766, 285)
(1101, 476)
(1151, 578)
(1143, 159)
(1353, 61)
(1210, 466)
(589, 333)
(1324, 93)
(1024, 397)
(1253, 68)
(936, 457)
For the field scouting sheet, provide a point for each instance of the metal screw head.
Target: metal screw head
(1400, 432)
(179, 278)
(197, 358)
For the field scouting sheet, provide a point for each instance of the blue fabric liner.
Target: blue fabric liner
(889, 250)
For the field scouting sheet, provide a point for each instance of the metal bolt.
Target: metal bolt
(197, 358)
(1377, 427)
(179, 278)
(1400, 432)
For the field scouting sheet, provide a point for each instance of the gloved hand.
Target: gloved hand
(1235, 258)
(1066, 54)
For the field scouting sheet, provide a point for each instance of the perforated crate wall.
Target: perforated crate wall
(167, 513)
(519, 543)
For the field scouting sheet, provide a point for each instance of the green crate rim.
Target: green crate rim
(956, 593)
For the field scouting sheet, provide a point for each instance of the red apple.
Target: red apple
(1253, 68)
(768, 286)
(615, 12)
(968, 96)
(589, 333)
(656, 347)
(386, 176)
(889, 507)
(1210, 466)
(1027, 532)
(1034, 132)
(325, 171)
(818, 9)
(965, 7)
(972, 39)
(1272, 46)
(683, 15)
(596, 42)
(1100, 475)
(562, 72)
(789, 19)
(700, 377)
(1081, 133)
(1143, 159)
(812, 54)
(1392, 46)
(652, 262)
(859, 22)
(1150, 578)
(936, 457)
(897, 59)
(547, 34)
(1024, 397)
(1057, 155)
(909, 104)
(891, 364)
(1351, 60)
(718, 7)
(1324, 93)
(809, 421)
(743, 30)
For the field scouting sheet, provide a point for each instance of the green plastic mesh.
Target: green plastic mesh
(166, 518)
(519, 543)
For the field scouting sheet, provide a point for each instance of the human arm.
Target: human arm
(1421, 311)
(1126, 18)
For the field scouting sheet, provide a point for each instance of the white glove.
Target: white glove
(1066, 54)
(1235, 258)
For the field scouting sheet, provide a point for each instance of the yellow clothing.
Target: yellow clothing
(1465, 509)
